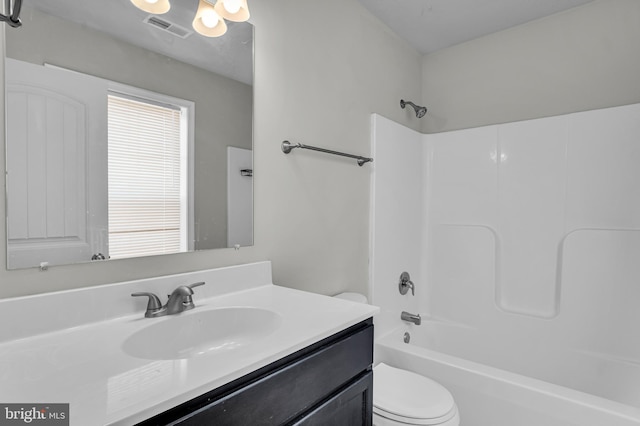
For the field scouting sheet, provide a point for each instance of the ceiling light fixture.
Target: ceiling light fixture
(209, 19)
(233, 10)
(157, 7)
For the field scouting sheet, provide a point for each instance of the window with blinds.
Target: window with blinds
(147, 177)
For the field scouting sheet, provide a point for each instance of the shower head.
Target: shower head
(420, 111)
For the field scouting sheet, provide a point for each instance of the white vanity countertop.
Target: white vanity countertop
(85, 365)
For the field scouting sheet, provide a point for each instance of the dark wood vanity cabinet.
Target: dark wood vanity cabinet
(327, 383)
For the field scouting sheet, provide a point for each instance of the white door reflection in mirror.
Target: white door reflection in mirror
(56, 172)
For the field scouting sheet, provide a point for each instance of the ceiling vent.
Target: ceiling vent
(167, 26)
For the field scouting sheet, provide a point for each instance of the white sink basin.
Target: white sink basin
(197, 333)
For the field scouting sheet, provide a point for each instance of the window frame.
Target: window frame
(188, 127)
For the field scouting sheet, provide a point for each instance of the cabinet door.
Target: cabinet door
(284, 395)
(350, 407)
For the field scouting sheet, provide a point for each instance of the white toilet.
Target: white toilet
(402, 398)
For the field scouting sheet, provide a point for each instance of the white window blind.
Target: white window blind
(146, 178)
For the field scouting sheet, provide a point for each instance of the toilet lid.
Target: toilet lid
(409, 395)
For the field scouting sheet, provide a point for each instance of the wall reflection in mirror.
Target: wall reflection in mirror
(128, 134)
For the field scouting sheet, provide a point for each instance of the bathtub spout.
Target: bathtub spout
(406, 316)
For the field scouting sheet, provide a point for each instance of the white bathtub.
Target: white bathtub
(516, 380)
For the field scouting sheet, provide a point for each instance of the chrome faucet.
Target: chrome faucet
(406, 316)
(180, 300)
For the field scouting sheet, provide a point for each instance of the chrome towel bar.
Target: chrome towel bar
(287, 147)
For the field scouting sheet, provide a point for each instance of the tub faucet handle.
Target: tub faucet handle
(405, 284)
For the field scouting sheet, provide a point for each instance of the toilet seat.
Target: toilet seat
(409, 421)
(410, 398)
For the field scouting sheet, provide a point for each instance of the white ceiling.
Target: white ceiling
(431, 25)
(230, 55)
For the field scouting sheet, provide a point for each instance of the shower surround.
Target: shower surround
(523, 242)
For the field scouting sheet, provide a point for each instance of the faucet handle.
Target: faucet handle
(191, 286)
(154, 303)
(188, 300)
(189, 289)
(405, 284)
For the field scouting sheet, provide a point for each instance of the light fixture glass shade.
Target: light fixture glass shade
(156, 7)
(208, 22)
(233, 10)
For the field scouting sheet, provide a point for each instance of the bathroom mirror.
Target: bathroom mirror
(128, 134)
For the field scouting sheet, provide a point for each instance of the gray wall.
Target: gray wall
(223, 106)
(582, 59)
(319, 76)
